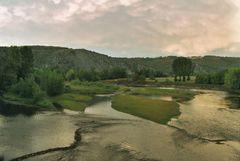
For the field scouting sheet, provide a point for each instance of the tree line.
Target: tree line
(112, 73)
(184, 67)
(230, 78)
(18, 75)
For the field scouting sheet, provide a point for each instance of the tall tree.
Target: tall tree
(10, 63)
(182, 67)
(26, 64)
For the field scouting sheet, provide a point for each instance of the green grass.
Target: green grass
(155, 110)
(176, 94)
(92, 88)
(45, 102)
(72, 101)
(80, 94)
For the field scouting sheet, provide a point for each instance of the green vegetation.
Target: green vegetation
(155, 110)
(211, 78)
(47, 76)
(50, 81)
(78, 95)
(176, 94)
(91, 88)
(81, 59)
(72, 101)
(182, 67)
(26, 61)
(28, 88)
(44, 102)
(232, 78)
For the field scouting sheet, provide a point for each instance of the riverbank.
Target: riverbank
(78, 95)
(13, 108)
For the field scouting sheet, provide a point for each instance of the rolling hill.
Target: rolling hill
(47, 56)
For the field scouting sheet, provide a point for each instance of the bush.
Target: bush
(211, 78)
(70, 75)
(26, 88)
(50, 81)
(232, 78)
(91, 75)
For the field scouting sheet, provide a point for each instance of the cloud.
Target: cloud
(123, 27)
(5, 16)
(56, 1)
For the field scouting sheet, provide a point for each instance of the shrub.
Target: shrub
(26, 88)
(232, 78)
(50, 81)
(211, 78)
(70, 75)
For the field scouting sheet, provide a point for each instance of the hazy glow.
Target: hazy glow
(125, 27)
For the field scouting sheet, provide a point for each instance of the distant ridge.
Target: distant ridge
(52, 56)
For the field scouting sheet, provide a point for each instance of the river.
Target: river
(207, 130)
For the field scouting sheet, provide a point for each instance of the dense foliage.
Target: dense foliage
(15, 63)
(182, 67)
(18, 78)
(50, 81)
(65, 59)
(211, 78)
(229, 78)
(28, 88)
(232, 78)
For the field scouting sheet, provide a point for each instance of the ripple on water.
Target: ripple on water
(22, 135)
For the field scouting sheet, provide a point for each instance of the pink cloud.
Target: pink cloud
(168, 26)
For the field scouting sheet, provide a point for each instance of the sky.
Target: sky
(125, 28)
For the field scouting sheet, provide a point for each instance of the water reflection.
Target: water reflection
(203, 121)
(208, 116)
(22, 135)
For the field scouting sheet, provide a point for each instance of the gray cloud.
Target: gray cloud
(123, 27)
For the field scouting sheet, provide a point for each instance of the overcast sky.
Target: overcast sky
(129, 28)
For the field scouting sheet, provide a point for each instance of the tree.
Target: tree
(50, 81)
(91, 75)
(10, 63)
(117, 72)
(182, 67)
(104, 74)
(232, 78)
(15, 64)
(26, 61)
(140, 75)
(70, 75)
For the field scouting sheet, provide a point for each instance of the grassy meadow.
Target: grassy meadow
(159, 111)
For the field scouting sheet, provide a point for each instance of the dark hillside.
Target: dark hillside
(47, 56)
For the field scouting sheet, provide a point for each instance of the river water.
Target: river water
(206, 130)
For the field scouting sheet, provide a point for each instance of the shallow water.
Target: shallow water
(209, 116)
(195, 135)
(22, 134)
(206, 130)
